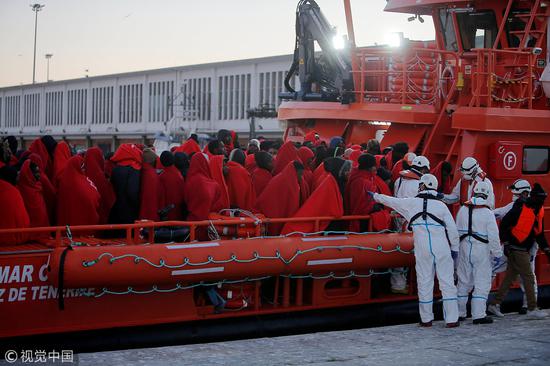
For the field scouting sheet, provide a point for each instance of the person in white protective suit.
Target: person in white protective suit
(520, 188)
(479, 241)
(435, 234)
(406, 186)
(471, 175)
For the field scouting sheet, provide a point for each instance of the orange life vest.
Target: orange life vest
(527, 221)
(407, 174)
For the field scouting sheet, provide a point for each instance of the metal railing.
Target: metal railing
(133, 231)
(403, 76)
(486, 81)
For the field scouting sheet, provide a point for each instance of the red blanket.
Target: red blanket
(13, 214)
(240, 188)
(324, 201)
(31, 192)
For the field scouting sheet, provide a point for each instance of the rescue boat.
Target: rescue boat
(482, 89)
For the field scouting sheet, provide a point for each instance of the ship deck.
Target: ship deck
(509, 341)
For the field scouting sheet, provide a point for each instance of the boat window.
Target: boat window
(535, 159)
(477, 30)
(448, 30)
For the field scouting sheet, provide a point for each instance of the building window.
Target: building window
(131, 103)
(208, 99)
(261, 99)
(31, 110)
(11, 111)
(220, 96)
(76, 106)
(225, 96)
(54, 108)
(102, 105)
(535, 159)
(248, 90)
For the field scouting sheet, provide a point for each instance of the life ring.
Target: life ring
(447, 75)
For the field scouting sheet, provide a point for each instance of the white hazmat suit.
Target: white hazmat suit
(431, 250)
(454, 196)
(474, 259)
(406, 186)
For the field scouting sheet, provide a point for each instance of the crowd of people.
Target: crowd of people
(50, 184)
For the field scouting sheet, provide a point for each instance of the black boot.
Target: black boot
(486, 320)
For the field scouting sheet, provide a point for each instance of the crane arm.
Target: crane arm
(331, 72)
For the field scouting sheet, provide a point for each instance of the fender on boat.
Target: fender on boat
(162, 264)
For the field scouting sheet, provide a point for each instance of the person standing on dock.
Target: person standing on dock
(406, 186)
(520, 188)
(435, 235)
(479, 241)
(519, 229)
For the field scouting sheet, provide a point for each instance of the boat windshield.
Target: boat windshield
(477, 30)
(447, 29)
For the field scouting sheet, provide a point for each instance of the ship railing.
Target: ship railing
(61, 236)
(404, 75)
(502, 77)
(143, 231)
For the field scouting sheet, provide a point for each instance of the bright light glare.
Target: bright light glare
(393, 39)
(338, 42)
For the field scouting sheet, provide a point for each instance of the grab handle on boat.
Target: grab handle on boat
(60, 298)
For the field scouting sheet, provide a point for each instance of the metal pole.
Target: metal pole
(48, 70)
(36, 8)
(34, 58)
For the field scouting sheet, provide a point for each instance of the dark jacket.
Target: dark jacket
(126, 183)
(510, 220)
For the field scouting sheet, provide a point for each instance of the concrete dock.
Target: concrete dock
(512, 340)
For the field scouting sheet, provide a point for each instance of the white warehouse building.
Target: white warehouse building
(136, 106)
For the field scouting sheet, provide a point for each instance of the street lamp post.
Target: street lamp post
(36, 8)
(48, 57)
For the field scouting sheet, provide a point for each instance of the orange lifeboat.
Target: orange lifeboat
(163, 264)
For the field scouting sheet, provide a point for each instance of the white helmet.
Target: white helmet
(481, 188)
(421, 162)
(409, 157)
(469, 168)
(520, 186)
(429, 181)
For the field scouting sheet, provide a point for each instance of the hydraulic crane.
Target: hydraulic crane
(325, 76)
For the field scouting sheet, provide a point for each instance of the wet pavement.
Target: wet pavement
(513, 340)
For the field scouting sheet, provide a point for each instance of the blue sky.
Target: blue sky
(111, 36)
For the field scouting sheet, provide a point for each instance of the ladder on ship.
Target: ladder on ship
(527, 26)
(532, 34)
